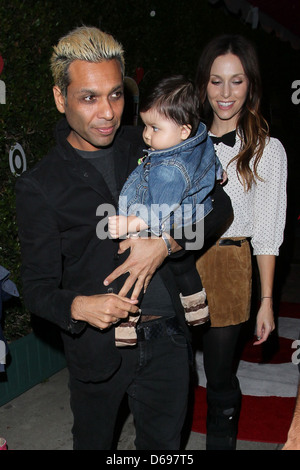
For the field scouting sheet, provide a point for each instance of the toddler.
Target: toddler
(176, 175)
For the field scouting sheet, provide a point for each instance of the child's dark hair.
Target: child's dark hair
(176, 98)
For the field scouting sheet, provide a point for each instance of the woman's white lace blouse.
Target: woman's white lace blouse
(259, 213)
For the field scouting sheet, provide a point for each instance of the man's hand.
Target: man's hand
(102, 310)
(146, 255)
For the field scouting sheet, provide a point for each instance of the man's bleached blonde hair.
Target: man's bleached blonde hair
(83, 43)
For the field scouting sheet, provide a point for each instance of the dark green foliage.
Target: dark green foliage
(167, 42)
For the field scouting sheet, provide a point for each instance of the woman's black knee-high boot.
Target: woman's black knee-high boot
(222, 418)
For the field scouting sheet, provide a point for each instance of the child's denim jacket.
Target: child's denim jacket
(171, 187)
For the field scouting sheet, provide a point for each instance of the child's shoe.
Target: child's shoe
(195, 307)
(125, 332)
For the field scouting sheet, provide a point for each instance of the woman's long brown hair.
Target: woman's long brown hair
(252, 128)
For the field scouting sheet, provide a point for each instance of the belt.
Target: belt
(229, 242)
(158, 328)
(145, 318)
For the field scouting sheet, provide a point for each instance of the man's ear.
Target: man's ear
(59, 99)
(186, 130)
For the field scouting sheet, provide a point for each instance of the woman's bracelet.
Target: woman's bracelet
(266, 298)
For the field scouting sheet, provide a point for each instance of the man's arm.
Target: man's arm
(146, 255)
(42, 270)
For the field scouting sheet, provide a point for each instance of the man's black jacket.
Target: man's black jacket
(62, 257)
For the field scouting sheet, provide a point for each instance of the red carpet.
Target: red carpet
(266, 413)
(262, 419)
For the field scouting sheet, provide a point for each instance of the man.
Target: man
(67, 269)
(65, 263)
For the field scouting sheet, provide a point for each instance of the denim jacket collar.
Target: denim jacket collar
(188, 144)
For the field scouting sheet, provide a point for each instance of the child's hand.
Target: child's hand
(117, 226)
(224, 178)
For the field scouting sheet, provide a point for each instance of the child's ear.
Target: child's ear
(186, 130)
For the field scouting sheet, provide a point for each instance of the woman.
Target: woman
(229, 85)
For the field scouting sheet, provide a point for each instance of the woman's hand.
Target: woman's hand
(265, 318)
(265, 321)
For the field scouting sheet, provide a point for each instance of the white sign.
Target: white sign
(17, 160)
(2, 92)
(2, 352)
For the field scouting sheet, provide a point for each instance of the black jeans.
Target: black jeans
(155, 375)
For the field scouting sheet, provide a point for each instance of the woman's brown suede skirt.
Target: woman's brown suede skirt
(226, 274)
